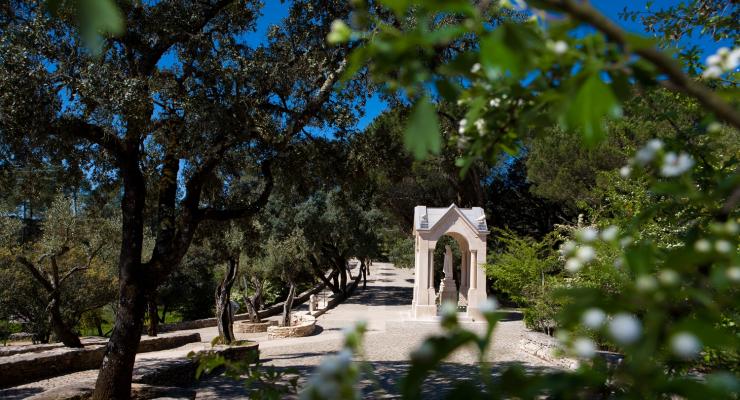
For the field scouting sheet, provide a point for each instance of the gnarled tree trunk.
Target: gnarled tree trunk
(223, 303)
(63, 332)
(288, 305)
(254, 302)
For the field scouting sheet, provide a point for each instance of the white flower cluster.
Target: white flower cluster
(580, 253)
(671, 163)
(722, 246)
(558, 47)
(724, 60)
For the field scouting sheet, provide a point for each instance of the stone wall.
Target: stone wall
(545, 347)
(6, 351)
(29, 367)
(270, 311)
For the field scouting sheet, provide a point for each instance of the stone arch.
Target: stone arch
(468, 227)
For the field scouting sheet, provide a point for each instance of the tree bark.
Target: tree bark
(61, 330)
(223, 303)
(252, 302)
(114, 379)
(363, 271)
(153, 315)
(288, 305)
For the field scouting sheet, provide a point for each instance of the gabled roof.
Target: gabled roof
(426, 218)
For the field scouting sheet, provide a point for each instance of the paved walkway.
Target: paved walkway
(385, 306)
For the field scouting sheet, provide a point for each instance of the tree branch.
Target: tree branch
(251, 209)
(36, 273)
(666, 65)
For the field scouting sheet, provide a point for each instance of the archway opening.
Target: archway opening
(460, 269)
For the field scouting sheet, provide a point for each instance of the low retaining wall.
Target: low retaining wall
(155, 379)
(29, 367)
(546, 347)
(6, 351)
(305, 325)
(274, 309)
(252, 327)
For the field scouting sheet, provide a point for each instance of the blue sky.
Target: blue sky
(274, 11)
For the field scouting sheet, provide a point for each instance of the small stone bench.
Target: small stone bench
(304, 325)
(252, 327)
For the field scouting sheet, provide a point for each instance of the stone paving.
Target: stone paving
(385, 306)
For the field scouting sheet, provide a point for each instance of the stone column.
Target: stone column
(424, 306)
(477, 291)
(464, 279)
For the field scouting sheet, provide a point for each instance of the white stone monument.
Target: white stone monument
(447, 289)
(468, 227)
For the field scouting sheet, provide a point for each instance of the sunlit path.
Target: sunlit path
(385, 306)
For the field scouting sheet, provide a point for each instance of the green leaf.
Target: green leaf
(99, 18)
(399, 7)
(638, 42)
(593, 102)
(422, 132)
(510, 48)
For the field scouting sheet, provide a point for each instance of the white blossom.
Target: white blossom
(494, 102)
(610, 233)
(712, 72)
(669, 277)
(685, 345)
(723, 246)
(489, 306)
(573, 265)
(702, 245)
(645, 283)
(675, 165)
(584, 347)
(463, 125)
(425, 352)
(593, 318)
(625, 171)
(568, 248)
(480, 124)
(587, 235)
(733, 274)
(646, 154)
(448, 309)
(475, 68)
(625, 241)
(625, 328)
(585, 254)
(714, 127)
(731, 227)
(559, 47)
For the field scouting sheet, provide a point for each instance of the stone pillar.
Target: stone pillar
(464, 279)
(477, 291)
(424, 306)
(313, 303)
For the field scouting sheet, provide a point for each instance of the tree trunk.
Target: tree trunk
(252, 302)
(153, 315)
(114, 379)
(164, 314)
(99, 325)
(288, 305)
(61, 330)
(343, 277)
(363, 269)
(223, 303)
